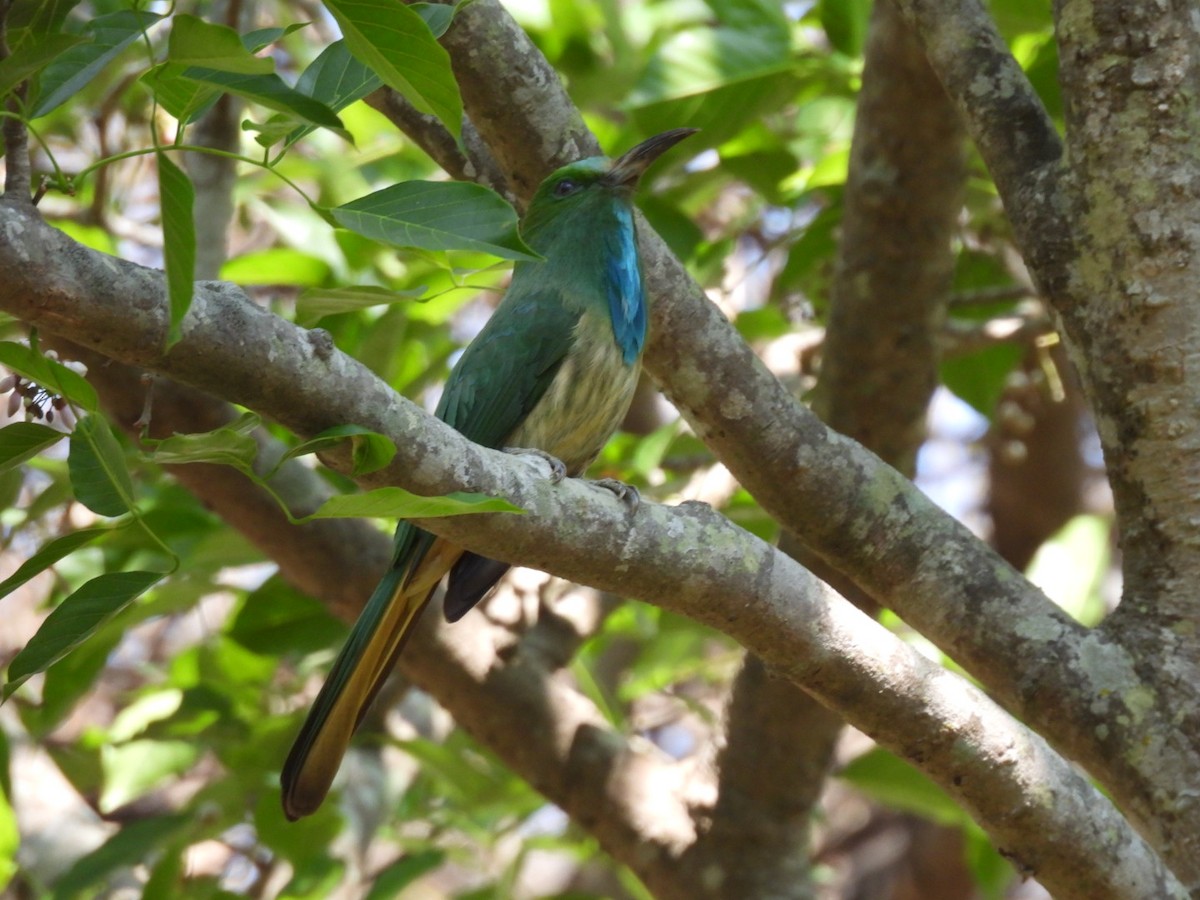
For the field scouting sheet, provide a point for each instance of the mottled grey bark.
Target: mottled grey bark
(689, 559)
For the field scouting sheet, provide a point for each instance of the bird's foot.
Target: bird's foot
(626, 493)
(558, 470)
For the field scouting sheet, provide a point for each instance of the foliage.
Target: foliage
(326, 191)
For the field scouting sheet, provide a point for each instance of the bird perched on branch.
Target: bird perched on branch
(553, 371)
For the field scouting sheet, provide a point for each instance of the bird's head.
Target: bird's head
(594, 182)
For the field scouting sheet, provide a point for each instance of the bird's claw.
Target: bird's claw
(626, 493)
(558, 470)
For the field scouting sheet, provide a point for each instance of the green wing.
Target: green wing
(508, 367)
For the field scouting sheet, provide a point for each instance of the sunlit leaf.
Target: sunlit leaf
(194, 42)
(397, 45)
(133, 768)
(49, 373)
(142, 712)
(370, 451)
(397, 503)
(1071, 565)
(890, 780)
(277, 265)
(179, 239)
(230, 445)
(10, 836)
(315, 304)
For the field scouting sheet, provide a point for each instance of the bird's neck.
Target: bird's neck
(595, 258)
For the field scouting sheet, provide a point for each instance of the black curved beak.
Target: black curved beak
(628, 168)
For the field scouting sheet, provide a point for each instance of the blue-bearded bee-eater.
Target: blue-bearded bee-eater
(553, 370)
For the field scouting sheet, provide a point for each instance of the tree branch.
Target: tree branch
(688, 559)
(634, 799)
(895, 265)
(471, 162)
(1010, 127)
(18, 175)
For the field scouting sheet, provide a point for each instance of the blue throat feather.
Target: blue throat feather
(623, 284)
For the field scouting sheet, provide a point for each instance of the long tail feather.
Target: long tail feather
(359, 671)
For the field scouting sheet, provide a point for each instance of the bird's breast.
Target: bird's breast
(586, 401)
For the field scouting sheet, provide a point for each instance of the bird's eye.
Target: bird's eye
(565, 187)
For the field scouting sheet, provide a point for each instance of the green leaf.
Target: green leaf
(336, 78)
(894, 782)
(371, 451)
(33, 57)
(10, 835)
(437, 216)
(979, 378)
(30, 364)
(703, 59)
(28, 20)
(277, 265)
(177, 198)
(80, 65)
(48, 555)
(260, 37)
(97, 469)
(24, 440)
(136, 841)
(194, 42)
(76, 619)
(183, 98)
(437, 16)
(397, 503)
(143, 712)
(277, 620)
(272, 92)
(408, 868)
(845, 24)
(314, 304)
(132, 769)
(396, 44)
(1071, 565)
(230, 445)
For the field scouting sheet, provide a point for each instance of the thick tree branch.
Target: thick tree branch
(1010, 127)
(18, 179)
(689, 559)
(864, 519)
(895, 263)
(1111, 242)
(636, 801)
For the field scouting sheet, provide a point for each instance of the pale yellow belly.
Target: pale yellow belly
(585, 403)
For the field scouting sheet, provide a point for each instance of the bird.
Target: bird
(552, 372)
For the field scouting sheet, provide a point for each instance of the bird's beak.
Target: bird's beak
(628, 168)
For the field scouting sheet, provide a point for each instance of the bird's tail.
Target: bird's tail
(359, 671)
